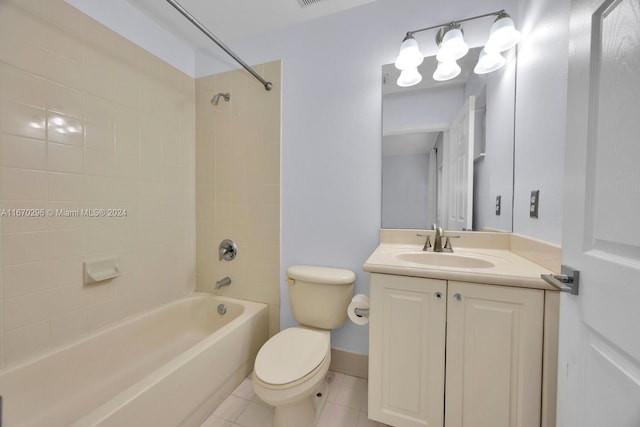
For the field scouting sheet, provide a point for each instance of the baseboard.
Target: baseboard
(354, 364)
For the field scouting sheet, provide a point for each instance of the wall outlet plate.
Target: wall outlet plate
(498, 205)
(533, 203)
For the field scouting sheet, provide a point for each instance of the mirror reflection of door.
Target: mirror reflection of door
(458, 168)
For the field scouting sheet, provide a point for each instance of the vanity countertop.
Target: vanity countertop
(497, 263)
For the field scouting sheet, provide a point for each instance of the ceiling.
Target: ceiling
(236, 19)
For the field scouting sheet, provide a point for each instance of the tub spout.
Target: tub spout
(224, 282)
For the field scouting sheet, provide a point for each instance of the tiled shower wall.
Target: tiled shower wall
(238, 185)
(88, 120)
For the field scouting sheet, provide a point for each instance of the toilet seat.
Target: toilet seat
(291, 357)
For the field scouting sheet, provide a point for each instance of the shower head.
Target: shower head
(216, 97)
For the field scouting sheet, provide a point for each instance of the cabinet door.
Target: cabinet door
(494, 356)
(406, 350)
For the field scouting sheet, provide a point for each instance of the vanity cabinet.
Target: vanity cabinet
(454, 354)
(407, 350)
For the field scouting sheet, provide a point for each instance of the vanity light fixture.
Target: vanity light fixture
(451, 47)
(409, 56)
(451, 43)
(488, 62)
(409, 77)
(446, 71)
(503, 34)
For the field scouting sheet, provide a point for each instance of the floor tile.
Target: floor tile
(346, 406)
(335, 381)
(214, 421)
(340, 416)
(255, 415)
(231, 408)
(364, 421)
(245, 390)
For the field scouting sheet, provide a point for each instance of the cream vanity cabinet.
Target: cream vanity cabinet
(454, 354)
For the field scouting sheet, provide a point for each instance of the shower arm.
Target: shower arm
(194, 21)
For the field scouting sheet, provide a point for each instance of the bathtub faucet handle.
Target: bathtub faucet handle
(227, 250)
(223, 282)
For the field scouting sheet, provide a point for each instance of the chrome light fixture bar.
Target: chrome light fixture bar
(451, 47)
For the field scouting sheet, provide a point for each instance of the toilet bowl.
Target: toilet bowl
(289, 370)
(291, 367)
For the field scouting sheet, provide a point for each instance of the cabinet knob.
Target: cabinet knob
(457, 297)
(438, 295)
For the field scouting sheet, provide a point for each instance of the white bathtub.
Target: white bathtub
(169, 367)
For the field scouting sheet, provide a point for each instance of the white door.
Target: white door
(459, 168)
(599, 355)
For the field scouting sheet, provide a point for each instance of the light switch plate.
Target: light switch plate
(533, 203)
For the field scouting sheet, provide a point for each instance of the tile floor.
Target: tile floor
(346, 406)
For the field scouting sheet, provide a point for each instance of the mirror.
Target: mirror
(447, 148)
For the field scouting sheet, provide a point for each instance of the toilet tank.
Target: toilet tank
(319, 296)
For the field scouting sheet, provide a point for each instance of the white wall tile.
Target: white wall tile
(22, 120)
(21, 184)
(228, 174)
(19, 152)
(22, 248)
(67, 299)
(99, 135)
(64, 158)
(97, 162)
(67, 327)
(16, 85)
(66, 187)
(24, 279)
(24, 216)
(66, 243)
(64, 100)
(26, 342)
(25, 310)
(64, 129)
(65, 271)
(70, 131)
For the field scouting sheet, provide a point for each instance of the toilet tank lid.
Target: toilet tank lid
(322, 275)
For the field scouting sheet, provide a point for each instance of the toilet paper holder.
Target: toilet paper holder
(361, 312)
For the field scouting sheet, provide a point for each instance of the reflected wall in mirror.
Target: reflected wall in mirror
(447, 148)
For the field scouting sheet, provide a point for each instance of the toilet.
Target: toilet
(290, 368)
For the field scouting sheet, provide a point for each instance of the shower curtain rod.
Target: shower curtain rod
(194, 21)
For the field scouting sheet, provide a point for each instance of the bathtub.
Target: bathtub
(171, 367)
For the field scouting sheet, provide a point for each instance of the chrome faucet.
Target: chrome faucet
(427, 242)
(437, 241)
(223, 282)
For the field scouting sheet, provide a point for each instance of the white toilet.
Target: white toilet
(291, 367)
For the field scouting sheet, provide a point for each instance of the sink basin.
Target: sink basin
(442, 259)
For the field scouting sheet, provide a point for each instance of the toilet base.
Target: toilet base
(303, 413)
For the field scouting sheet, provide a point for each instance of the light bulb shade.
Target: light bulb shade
(410, 55)
(488, 62)
(452, 46)
(503, 35)
(446, 71)
(410, 77)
